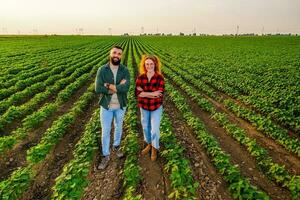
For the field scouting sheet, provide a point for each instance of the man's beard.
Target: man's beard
(114, 62)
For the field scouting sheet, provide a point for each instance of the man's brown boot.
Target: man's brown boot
(146, 149)
(153, 154)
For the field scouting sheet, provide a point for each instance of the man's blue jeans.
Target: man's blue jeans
(151, 123)
(106, 117)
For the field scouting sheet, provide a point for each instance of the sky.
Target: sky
(99, 17)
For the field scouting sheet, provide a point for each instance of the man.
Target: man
(112, 83)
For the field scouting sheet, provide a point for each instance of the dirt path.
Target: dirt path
(58, 157)
(212, 186)
(250, 107)
(18, 122)
(278, 153)
(16, 157)
(239, 155)
(105, 184)
(155, 183)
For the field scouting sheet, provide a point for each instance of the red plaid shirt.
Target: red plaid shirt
(156, 83)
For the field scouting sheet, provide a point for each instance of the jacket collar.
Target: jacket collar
(107, 65)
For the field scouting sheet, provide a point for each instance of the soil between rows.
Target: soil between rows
(16, 157)
(58, 157)
(239, 155)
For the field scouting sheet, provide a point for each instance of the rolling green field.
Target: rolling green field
(230, 129)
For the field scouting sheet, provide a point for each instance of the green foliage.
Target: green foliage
(71, 183)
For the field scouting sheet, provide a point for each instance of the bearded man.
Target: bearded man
(112, 83)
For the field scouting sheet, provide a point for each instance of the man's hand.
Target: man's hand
(123, 81)
(112, 88)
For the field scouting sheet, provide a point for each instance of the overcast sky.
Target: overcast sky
(168, 16)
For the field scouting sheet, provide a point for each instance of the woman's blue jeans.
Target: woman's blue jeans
(151, 123)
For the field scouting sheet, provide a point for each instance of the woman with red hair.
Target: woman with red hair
(149, 90)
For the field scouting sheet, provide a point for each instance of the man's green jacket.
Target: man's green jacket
(105, 75)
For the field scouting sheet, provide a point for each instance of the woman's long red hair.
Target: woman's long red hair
(156, 61)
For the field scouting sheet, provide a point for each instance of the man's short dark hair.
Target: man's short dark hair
(117, 47)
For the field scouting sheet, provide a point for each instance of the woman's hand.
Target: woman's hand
(156, 94)
(140, 89)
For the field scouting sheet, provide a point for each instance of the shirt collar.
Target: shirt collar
(154, 76)
(107, 65)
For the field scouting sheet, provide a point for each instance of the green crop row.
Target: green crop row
(273, 170)
(180, 173)
(41, 85)
(29, 69)
(263, 124)
(182, 181)
(17, 112)
(239, 187)
(131, 170)
(71, 182)
(261, 76)
(19, 181)
(32, 80)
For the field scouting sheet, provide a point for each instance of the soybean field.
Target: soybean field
(230, 127)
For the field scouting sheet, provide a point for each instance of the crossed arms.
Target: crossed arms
(155, 94)
(107, 88)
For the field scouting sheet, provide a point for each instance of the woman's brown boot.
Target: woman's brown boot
(146, 149)
(153, 154)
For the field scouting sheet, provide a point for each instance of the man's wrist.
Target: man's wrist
(106, 85)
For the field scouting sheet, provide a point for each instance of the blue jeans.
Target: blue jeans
(106, 117)
(151, 123)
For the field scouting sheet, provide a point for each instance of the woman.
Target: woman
(149, 90)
